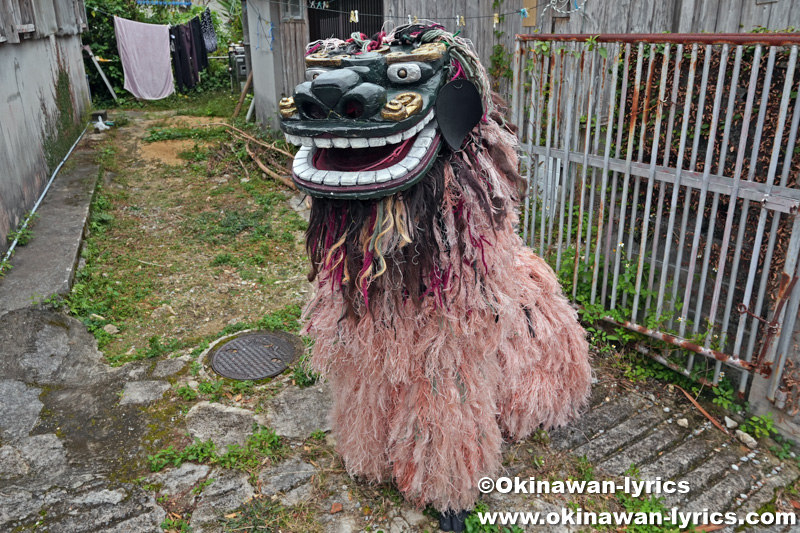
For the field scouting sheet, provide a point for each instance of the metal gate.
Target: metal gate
(663, 188)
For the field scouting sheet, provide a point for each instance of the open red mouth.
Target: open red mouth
(361, 159)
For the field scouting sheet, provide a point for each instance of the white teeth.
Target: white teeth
(394, 139)
(303, 165)
(417, 151)
(349, 179)
(366, 178)
(397, 171)
(319, 176)
(332, 178)
(382, 176)
(410, 162)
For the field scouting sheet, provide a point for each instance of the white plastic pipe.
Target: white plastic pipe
(41, 197)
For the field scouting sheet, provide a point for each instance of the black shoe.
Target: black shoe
(453, 521)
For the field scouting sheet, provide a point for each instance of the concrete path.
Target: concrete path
(46, 265)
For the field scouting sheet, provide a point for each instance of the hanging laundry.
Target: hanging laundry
(199, 44)
(144, 51)
(182, 52)
(209, 35)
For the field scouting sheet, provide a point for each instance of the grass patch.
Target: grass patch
(262, 444)
(179, 133)
(179, 256)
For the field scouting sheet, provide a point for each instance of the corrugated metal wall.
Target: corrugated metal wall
(31, 60)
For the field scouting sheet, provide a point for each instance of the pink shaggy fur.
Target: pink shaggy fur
(425, 395)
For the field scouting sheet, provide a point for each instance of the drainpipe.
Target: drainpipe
(44, 192)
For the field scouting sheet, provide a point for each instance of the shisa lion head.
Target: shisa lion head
(372, 115)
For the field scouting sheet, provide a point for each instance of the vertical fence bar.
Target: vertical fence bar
(651, 177)
(604, 178)
(762, 112)
(595, 150)
(619, 243)
(546, 208)
(529, 145)
(517, 108)
(613, 202)
(556, 177)
(662, 186)
(737, 176)
(535, 161)
(677, 185)
(566, 165)
(578, 103)
(587, 144)
(701, 102)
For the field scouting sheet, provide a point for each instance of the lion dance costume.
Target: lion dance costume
(439, 331)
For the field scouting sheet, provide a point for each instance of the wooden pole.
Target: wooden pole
(242, 96)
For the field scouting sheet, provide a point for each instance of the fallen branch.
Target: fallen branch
(711, 418)
(283, 179)
(149, 263)
(251, 138)
(246, 173)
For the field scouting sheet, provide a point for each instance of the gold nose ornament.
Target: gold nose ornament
(402, 106)
(286, 107)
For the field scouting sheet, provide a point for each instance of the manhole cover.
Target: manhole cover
(254, 356)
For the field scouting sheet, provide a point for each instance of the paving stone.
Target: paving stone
(660, 438)
(46, 459)
(612, 439)
(715, 466)
(603, 416)
(344, 524)
(168, 367)
(222, 424)
(767, 491)
(180, 480)
(678, 461)
(229, 490)
(129, 510)
(722, 494)
(285, 476)
(12, 465)
(17, 505)
(296, 413)
(297, 495)
(141, 392)
(20, 412)
(414, 517)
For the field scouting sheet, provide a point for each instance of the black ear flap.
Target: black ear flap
(458, 109)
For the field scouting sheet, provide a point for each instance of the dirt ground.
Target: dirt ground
(195, 242)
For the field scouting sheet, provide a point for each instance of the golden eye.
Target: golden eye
(402, 73)
(315, 76)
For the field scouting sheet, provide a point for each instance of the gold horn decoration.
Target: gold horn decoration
(402, 106)
(286, 107)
